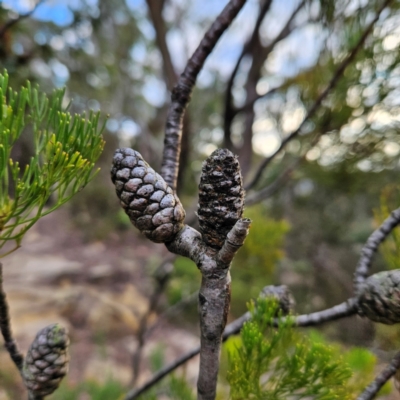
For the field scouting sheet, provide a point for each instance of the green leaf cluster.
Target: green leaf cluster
(110, 389)
(281, 363)
(65, 149)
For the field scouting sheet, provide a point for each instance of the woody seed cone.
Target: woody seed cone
(221, 197)
(47, 361)
(379, 297)
(150, 203)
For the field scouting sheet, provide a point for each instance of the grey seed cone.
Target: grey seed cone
(379, 297)
(221, 197)
(150, 203)
(46, 362)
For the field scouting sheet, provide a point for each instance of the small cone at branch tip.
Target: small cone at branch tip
(46, 362)
(221, 197)
(152, 206)
(379, 297)
(283, 295)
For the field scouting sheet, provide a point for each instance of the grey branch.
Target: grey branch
(371, 390)
(5, 327)
(182, 91)
(371, 246)
(234, 241)
(312, 110)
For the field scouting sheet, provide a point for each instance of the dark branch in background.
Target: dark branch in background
(171, 77)
(282, 178)
(259, 54)
(230, 110)
(10, 23)
(275, 186)
(5, 327)
(370, 248)
(312, 110)
(162, 276)
(173, 311)
(182, 91)
(345, 309)
(155, 11)
(372, 390)
(250, 103)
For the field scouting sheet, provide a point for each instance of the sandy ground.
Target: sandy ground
(99, 291)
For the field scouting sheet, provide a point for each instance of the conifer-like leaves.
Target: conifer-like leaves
(64, 150)
(281, 363)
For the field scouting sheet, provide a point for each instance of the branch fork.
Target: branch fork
(156, 211)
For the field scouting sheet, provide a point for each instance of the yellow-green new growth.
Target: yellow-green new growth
(272, 362)
(65, 149)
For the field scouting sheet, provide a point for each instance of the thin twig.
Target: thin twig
(342, 310)
(273, 187)
(277, 184)
(181, 93)
(135, 393)
(162, 277)
(172, 311)
(372, 390)
(250, 103)
(312, 110)
(5, 327)
(371, 246)
(10, 23)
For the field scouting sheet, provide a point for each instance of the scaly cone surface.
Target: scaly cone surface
(150, 203)
(221, 197)
(379, 298)
(47, 361)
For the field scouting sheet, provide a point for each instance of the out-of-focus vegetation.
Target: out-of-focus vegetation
(92, 390)
(296, 365)
(255, 265)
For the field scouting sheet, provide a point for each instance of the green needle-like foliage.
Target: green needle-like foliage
(65, 149)
(282, 363)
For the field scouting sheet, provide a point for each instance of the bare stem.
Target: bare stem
(312, 110)
(182, 91)
(372, 389)
(371, 246)
(5, 327)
